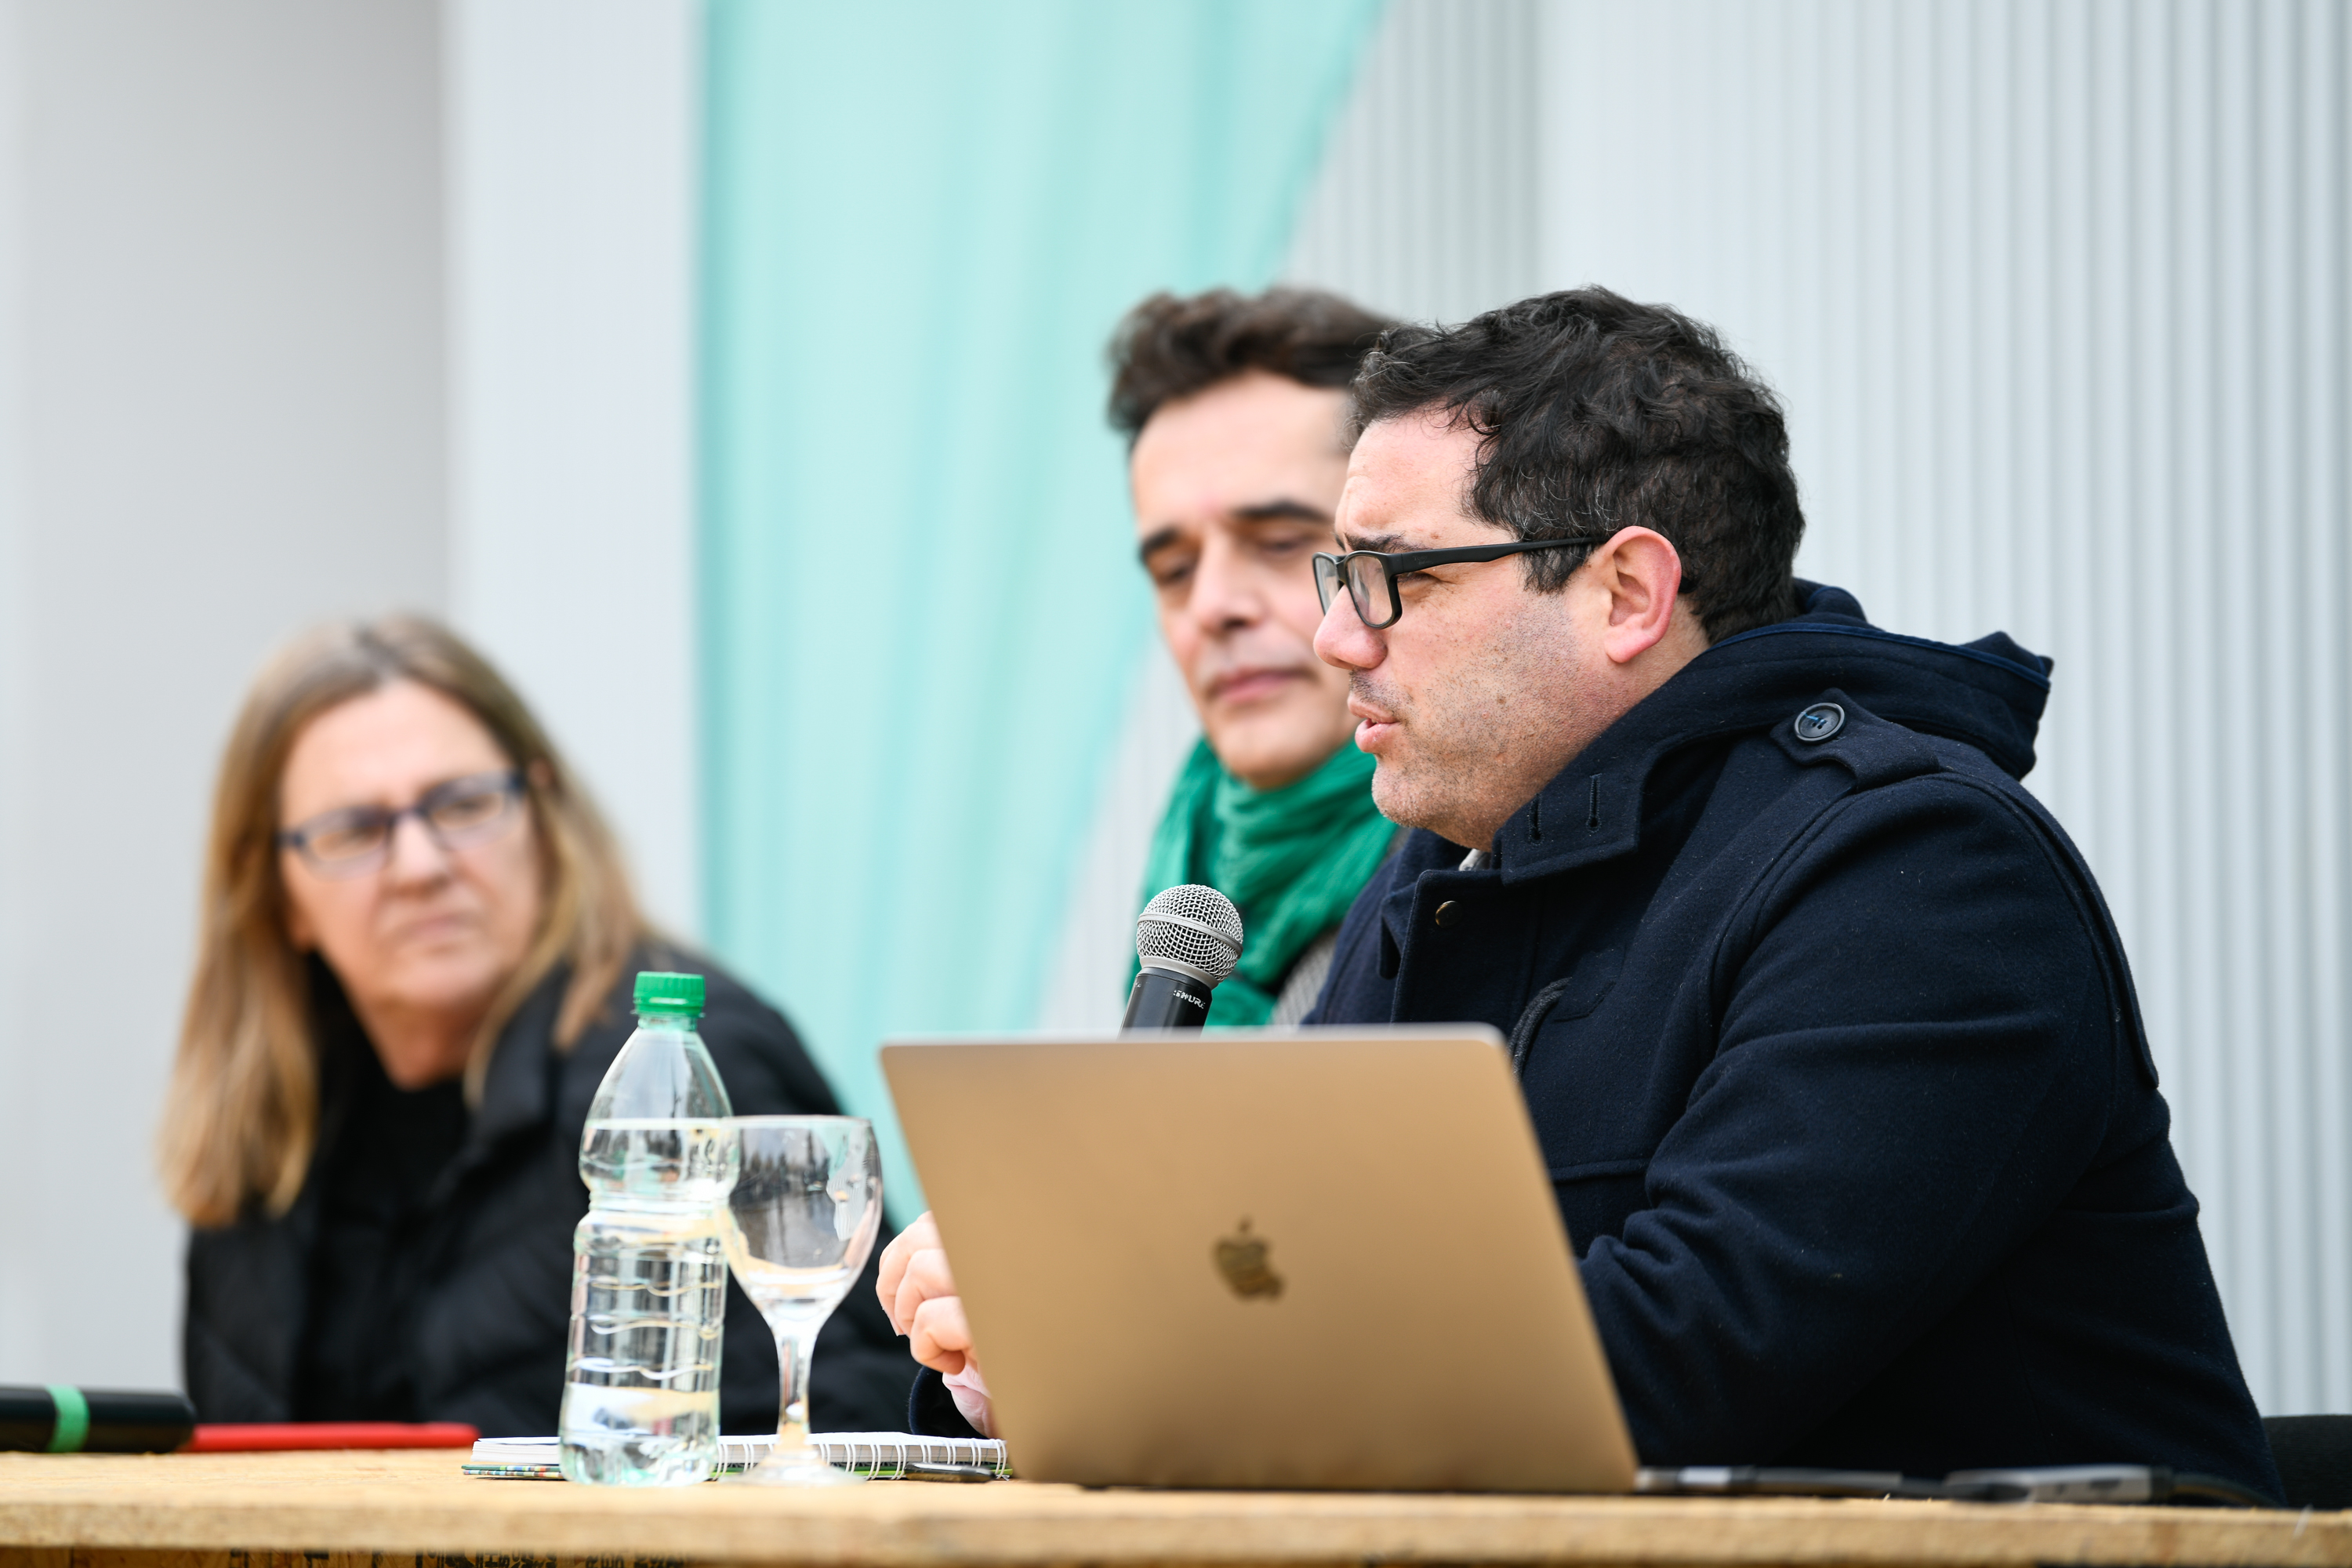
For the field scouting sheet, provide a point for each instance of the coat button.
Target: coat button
(1446, 911)
(1820, 721)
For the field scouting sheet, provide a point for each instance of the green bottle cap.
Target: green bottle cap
(675, 995)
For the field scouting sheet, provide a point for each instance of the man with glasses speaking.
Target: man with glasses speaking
(1827, 1035)
(1828, 1039)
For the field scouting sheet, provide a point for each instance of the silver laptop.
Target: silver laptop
(1309, 1258)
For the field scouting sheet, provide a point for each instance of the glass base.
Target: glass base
(798, 1468)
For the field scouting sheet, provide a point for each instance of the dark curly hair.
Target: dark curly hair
(1171, 346)
(1597, 414)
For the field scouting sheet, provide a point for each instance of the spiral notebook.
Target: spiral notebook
(882, 1456)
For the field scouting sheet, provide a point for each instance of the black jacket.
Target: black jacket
(478, 1331)
(1834, 1059)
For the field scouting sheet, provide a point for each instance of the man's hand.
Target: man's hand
(919, 1294)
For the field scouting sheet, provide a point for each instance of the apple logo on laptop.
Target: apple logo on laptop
(1241, 1258)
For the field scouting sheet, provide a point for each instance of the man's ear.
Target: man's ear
(1641, 573)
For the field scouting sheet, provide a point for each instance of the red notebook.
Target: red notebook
(273, 1436)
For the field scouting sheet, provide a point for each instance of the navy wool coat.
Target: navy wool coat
(1834, 1057)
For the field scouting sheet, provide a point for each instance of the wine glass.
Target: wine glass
(800, 1224)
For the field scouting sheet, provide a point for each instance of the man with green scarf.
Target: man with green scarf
(1233, 408)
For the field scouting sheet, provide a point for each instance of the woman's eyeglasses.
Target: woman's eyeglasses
(1371, 577)
(358, 838)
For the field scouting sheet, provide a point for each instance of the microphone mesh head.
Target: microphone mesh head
(1195, 926)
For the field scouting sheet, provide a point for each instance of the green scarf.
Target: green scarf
(1292, 860)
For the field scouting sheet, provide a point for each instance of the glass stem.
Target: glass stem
(793, 1367)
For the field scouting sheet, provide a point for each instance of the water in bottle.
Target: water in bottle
(649, 1263)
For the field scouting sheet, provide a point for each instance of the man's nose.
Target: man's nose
(1225, 593)
(1341, 638)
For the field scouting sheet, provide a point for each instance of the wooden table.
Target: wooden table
(388, 1511)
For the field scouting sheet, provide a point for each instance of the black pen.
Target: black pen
(922, 1470)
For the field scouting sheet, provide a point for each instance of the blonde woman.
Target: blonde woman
(415, 966)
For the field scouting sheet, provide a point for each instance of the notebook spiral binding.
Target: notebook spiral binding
(879, 1456)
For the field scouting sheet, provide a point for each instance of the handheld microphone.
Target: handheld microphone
(58, 1418)
(1188, 939)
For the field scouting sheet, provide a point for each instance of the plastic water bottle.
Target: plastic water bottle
(649, 1262)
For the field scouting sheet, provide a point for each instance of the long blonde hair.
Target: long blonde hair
(242, 1122)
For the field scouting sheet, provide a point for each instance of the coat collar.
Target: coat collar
(517, 1089)
(516, 1095)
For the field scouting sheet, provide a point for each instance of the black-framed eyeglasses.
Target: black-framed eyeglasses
(358, 838)
(1372, 576)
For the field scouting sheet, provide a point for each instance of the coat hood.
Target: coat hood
(1988, 694)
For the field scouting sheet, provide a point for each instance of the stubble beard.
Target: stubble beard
(1475, 745)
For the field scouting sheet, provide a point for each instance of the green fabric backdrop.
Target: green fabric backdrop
(920, 612)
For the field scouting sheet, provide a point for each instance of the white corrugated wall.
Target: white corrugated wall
(2057, 297)
(1426, 206)
(1429, 203)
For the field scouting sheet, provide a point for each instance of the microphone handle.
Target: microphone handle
(1165, 999)
(59, 1419)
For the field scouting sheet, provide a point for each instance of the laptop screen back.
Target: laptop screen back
(1323, 1258)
